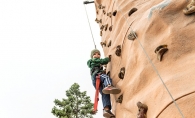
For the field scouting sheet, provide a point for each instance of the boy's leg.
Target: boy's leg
(105, 97)
(106, 104)
(109, 89)
(105, 100)
(105, 80)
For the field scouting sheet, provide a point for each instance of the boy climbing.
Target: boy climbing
(95, 65)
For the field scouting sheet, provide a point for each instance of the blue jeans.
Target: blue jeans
(104, 81)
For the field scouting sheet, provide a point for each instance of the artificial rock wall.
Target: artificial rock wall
(152, 40)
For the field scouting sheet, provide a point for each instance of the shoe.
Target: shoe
(108, 114)
(111, 90)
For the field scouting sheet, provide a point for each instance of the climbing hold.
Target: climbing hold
(104, 11)
(142, 110)
(109, 14)
(110, 28)
(100, 20)
(114, 13)
(159, 47)
(122, 73)
(96, 12)
(100, 33)
(120, 99)
(103, 7)
(106, 27)
(109, 44)
(190, 8)
(103, 44)
(102, 28)
(96, 20)
(132, 11)
(160, 50)
(100, 6)
(109, 57)
(132, 35)
(118, 50)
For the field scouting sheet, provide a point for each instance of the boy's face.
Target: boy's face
(96, 55)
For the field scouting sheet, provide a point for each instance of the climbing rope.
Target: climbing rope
(153, 66)
(87, 2)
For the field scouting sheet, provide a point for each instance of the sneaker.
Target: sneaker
(111, 90)
(108, 114)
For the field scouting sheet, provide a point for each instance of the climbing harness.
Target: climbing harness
(95, 70)
(96, 93)
(153, 66)
(87, 2)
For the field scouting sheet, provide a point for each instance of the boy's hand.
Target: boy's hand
(93, 112)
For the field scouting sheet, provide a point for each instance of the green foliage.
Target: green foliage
(77, 104)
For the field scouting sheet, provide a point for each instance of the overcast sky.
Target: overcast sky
(44, 48)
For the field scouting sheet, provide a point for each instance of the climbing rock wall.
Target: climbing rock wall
(151, 40)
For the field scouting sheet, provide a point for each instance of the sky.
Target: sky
(44, 48)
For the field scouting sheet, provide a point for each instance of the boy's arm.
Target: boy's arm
(102, 61)
(89, 63)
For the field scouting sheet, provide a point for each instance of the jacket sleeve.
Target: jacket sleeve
(89, 63)
(102, 61)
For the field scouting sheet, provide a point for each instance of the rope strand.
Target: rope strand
(90, 27)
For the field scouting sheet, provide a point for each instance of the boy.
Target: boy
(95, 64)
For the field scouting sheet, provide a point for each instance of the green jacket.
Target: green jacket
(96, 62)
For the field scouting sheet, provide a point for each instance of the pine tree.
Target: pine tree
(77, 104)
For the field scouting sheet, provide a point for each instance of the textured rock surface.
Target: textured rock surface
(155, 22)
